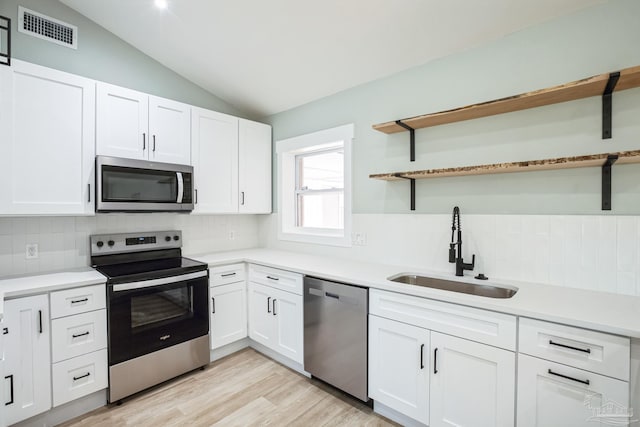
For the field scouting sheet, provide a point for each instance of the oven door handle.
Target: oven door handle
(157, 282)
(180, 187)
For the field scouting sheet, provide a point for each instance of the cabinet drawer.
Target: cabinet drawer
(78, 300)
(80, 334)
(226, 274)
(487, 327)
(79, 376)
(281, 279)
(593, 351)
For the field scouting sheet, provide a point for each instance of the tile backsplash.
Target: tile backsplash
(63, 242)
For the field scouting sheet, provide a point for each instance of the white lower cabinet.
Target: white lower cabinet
(555, 395)
(27, 366)
(472, 384)
(79, 376)
(276, 320)
(228, 313)
(399, 367)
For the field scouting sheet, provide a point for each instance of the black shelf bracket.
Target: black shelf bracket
(5, 41)
(607, 101)
(412, 139)
(413, 190)
(606, 182)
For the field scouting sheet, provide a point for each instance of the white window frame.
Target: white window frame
(287, 150)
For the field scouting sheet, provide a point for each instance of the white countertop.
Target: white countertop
(606, 312)
(24, 285)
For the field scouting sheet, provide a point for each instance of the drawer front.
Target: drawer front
(226, 274)
(593, 351)
(78, 300)
(486, 327)
(280, 279)
(80, 334)
(79, 376)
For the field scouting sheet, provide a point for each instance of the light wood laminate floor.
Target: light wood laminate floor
(244, 389)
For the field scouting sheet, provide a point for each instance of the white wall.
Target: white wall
(598, 252)
(63, 242)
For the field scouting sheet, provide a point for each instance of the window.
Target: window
(314, 182)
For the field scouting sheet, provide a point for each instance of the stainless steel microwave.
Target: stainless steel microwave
(127, 185)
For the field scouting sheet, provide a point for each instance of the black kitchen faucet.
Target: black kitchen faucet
(460, 264)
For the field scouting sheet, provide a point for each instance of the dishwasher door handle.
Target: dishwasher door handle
(330, 295)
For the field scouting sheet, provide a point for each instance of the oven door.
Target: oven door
(154, 314)
(126, 185)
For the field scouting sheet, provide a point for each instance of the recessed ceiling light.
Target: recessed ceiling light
(161, 4)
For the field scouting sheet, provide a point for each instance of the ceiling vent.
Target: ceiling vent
(47, 28)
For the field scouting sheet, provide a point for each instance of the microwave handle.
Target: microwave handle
(180, 187)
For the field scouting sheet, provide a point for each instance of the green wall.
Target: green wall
(600, 39)
(103, 56)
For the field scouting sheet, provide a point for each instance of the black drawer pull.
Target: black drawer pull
(82, 376)
(40, 320)
(10, 378)
(273, 278)
(274, 306)
(585, 382)
(584, 350)
(228, 274)
(268, 304)
(435, 361)
(330, 295)
(421, 356)
(78, 301)
(80, 335)
(213, 305)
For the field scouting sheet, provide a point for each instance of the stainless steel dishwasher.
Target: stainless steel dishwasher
(335, 334)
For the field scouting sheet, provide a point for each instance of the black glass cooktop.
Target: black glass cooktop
(149, 269)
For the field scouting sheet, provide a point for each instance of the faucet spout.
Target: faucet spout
(457, 246)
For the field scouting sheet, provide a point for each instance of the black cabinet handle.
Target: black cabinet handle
(557, 344)
(89, 193)
(40, 320)
(421, 356)
(78, 301)
(435, 361)
(242, 194)
(144, 141)
(80, 335)
(154, 143)
(82, 376)
(228, 274)
(213, 305)
(274, 306)
(196, 192)
(268, 304)
(585, 382)
(273, 278)
(5, 331)
(10, 378)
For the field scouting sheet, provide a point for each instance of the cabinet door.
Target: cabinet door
(27, 368)
(122, 122)
(289, 321)
(398, 367)
(228, 314)
(170, 130)
(555, 395)
(471, 384)
(46, 158)
(255, 167)
(261, 323)
(215, 161)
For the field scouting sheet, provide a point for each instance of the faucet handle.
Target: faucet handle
(473, 262)
(452, 253)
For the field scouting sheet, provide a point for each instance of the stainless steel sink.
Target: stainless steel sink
(450, 285)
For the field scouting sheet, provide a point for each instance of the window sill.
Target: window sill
(316, 238)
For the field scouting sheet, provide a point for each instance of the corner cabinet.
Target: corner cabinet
(232, 162)
(47, 119)
(135, 125)
(27, 365)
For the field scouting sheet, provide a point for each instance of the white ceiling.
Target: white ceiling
(267, 56)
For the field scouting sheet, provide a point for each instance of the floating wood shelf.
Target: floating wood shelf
(592, 86)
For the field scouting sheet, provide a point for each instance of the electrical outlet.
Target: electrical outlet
(232, 235)
(31, 251)
(359, 239)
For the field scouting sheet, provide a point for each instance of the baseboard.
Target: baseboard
(395, 416)
(66, 412)
(228, 349)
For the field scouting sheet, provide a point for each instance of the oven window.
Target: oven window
(156, 309)
(120, 184)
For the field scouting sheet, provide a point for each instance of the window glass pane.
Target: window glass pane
(321, 171)
(321, 210)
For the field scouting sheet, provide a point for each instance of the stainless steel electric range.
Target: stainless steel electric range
(157, 309)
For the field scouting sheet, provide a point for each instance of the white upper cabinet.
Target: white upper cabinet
(135, 125)
(47, 152)
(255, 167)
(232, 163)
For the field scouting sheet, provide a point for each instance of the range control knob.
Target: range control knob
(167, 238)
(99, 243)
(176, 237)
(111, 243)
